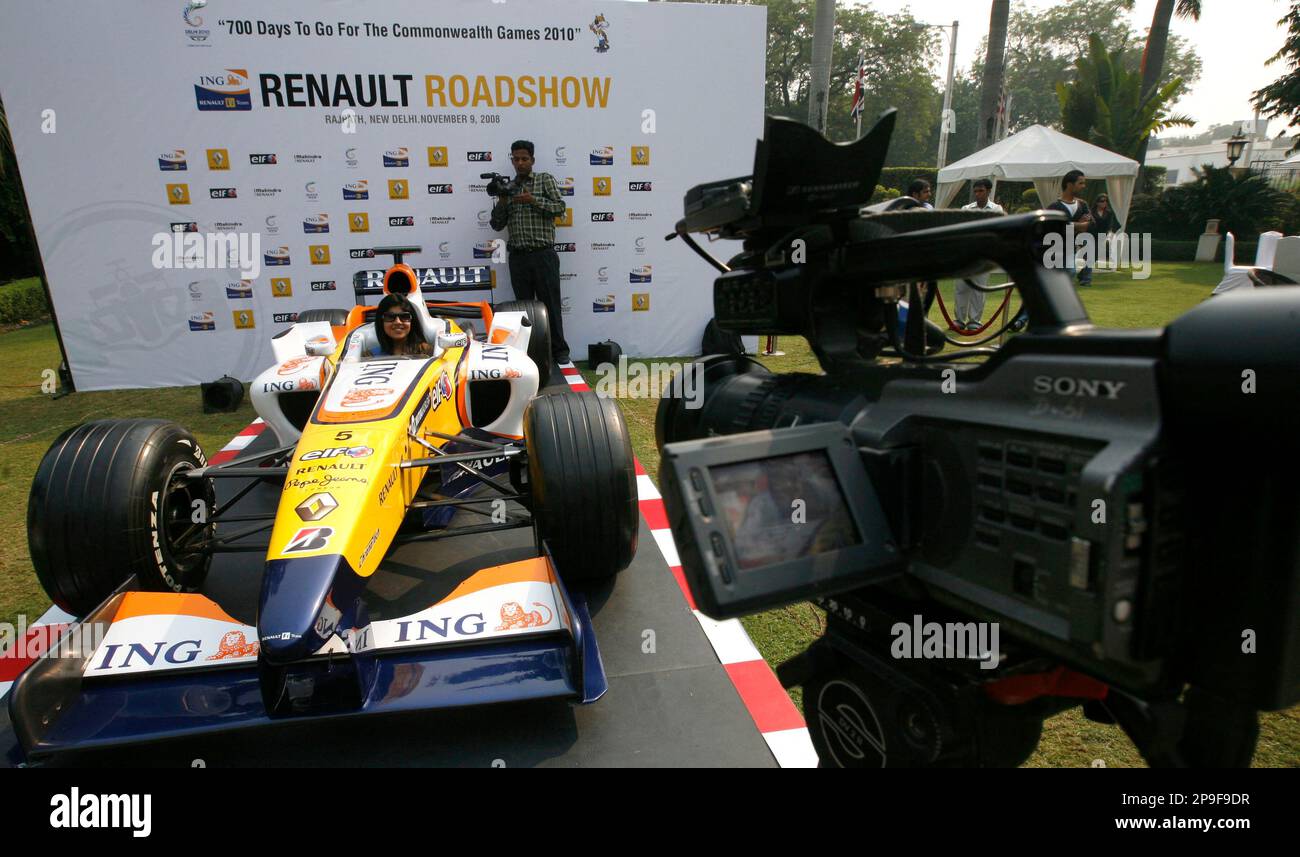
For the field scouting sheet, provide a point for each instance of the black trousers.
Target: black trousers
(536, 276)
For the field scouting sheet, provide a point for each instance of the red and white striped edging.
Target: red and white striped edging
(39, 637)
(47, 629)
(239, 442)
(776, 717)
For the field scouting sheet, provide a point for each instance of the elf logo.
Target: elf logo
(322, 285)
(336, 451)
(365, 253)
(478, 156)
(567, 247)
(259, 160)
(401, 221)
(602, 217)
(309, 539)
(284, 317)
(642, 186)
(222, 193)
(440, 188)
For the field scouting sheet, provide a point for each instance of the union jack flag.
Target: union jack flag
(859, 97)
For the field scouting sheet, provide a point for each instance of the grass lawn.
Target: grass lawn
(30, 421)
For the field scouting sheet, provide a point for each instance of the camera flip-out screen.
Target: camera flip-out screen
(771, 517)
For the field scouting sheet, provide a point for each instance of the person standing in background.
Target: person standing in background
(1076, 208)
(970, 300)
(921, 191)
(1104, 222)
(528, 210)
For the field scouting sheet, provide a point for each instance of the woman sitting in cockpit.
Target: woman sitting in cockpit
(396, 329)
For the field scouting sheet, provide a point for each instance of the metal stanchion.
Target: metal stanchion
(770, 350)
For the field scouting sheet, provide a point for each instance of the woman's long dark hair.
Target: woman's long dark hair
(414, 343)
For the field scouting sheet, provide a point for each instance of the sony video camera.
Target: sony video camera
(499, 185)
(1120, 507)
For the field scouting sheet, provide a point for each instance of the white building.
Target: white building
(1180, 161)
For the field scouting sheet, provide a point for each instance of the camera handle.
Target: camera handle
(966, 249)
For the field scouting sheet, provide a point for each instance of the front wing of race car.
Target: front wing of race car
(146, 666)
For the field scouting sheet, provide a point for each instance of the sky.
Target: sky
(1223, 38)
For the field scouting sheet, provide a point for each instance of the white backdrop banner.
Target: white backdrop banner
(305, 133)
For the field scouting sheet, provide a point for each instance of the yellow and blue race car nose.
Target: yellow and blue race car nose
(304, 603)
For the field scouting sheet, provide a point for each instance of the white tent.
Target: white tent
(1042, 155)
(1293, 161)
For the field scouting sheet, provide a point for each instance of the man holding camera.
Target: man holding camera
(528, 208)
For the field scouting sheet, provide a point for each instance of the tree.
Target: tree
(1245, 205)
(1282, 96)
(994, 73)
(1105, 104)
(1042, 45)
(899, 56)
(1153, 57)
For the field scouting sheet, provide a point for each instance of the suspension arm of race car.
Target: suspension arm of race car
(459, 459)
(461, 531)
(236, 468)
(224, 543)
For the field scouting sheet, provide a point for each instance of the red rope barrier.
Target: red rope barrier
(952, 325)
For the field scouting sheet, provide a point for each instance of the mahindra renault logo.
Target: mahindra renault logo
(317, 506)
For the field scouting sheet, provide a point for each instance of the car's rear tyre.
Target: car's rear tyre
(336, 317)
(539, 344)
(107, 502)
(583, 483)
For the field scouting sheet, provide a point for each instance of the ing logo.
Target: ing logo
(234, 645)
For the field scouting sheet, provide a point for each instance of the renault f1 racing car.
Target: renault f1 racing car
(371, 452)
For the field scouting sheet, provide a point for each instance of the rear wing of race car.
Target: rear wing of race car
(463, 278)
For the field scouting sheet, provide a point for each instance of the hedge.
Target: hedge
(901, 177)
(22, 300)
(1185, 251)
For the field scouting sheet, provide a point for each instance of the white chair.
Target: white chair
(1266, 252)
(1234, 276)
(1286, 258)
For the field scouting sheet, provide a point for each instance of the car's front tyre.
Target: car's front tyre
(110, 500)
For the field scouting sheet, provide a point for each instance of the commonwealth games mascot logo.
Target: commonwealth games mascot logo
(600, 27)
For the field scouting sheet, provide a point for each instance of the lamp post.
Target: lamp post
(947, 120)
(1236, 147)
